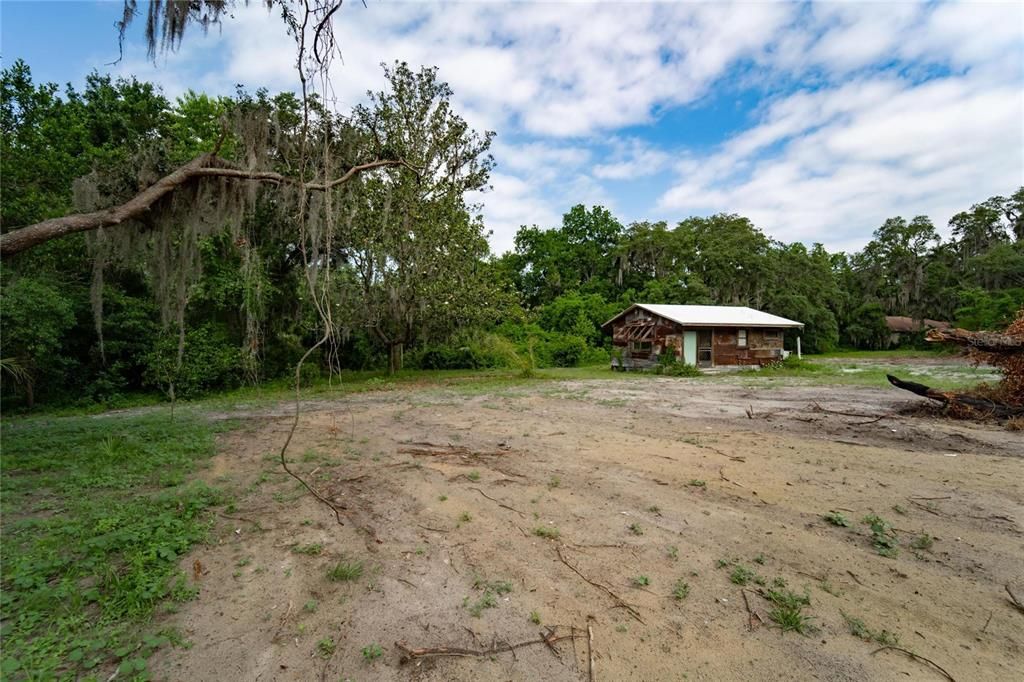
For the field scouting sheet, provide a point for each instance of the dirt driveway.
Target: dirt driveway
(672, 518)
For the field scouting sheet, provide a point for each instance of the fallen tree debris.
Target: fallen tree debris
(548, 639)
(917, 657)
(963, 402)
(498, 502)
(619, 601)
(1013, 599)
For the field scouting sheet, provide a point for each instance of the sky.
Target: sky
(815, 120)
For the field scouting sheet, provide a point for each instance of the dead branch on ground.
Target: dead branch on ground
(1013, 599)
(917, 657)
(497, 502)
(619, 601)
(549, 639)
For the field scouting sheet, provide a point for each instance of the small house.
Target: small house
(700, 335)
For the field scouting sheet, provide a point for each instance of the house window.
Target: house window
(641, 346)
(772, 334)
(741, 338)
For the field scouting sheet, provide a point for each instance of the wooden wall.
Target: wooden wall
(760, 349)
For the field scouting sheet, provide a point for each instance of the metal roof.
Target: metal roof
(712, 316)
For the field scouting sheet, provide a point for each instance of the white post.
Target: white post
(798, 355)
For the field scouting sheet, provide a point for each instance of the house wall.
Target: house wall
(763, 346)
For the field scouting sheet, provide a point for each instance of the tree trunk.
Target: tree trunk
(395, 356)
(982, 406)
(988, 342)
(203, 166)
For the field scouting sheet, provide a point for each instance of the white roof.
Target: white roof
(714, 315)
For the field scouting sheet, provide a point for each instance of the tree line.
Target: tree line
(226, 284)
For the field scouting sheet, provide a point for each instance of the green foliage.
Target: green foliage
(210, 361)
(670, 365)
(681, 590)
(345, 571)
(372, 652)
(882, 537)
(837, 519)
(429, 292)
(96, 517)
(859, 629)
(549, 532)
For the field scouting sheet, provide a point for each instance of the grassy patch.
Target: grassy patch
(96, 517)
(859, 629)
(549, 532)
(345, 571)
(681, 590)
(787, 610)
(882, 537)
(837, 519)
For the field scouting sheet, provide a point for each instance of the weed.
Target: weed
(680, 590)
(859, 629)
(697, 483)
(641, 581)
(791, 619)
(465, 517)
(923, 542)
(899, 510)
(654, 509)
(80, 587)
(635, 529)
(306, 522)
(672, 552)
(442, 498)
(314, 549)
(310, 606)
(741, 575)
(837, 519)
(372, 652)
(241, 563)
(487, 600)
(325, 647)
(345, 571)
(882, 537)
(759, 559)
(828, 587)
(473, 475)
(621, 627)
(787, 611)
(420, 551)
(549, 532)
(722, 563)
(554, 482)
(534, 617)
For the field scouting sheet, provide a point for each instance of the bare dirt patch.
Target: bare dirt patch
(479, 519)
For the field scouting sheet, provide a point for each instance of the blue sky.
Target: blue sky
(816, 120)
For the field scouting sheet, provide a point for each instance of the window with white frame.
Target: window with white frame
(741, 338)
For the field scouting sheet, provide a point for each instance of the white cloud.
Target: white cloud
(868, 109)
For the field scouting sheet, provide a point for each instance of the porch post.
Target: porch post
(798, 355)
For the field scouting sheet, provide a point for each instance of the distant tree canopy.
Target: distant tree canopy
(233, 278)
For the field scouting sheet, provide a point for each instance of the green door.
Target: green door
(690, 348)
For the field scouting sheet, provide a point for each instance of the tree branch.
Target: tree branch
(24, 238)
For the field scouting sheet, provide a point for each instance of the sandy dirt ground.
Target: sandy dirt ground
(649, 483)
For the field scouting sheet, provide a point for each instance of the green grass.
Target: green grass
(96, 516)
(640, 581)
(549, 532)
(837, 519)
(862, 631)
(680, 590)
(345, 571)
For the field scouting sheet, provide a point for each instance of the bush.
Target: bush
(669, 365)
(211, 361)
